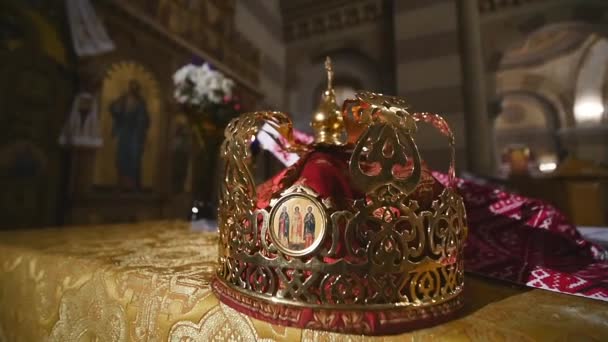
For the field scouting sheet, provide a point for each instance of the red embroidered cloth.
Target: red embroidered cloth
(528, 241)
(512, 238)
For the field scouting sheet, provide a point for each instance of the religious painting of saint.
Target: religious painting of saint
(131, 129)
(297, 224)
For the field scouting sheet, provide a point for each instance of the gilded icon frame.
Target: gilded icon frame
(310, 197)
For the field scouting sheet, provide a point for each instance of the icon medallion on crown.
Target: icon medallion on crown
(297, 222)
(356, 237)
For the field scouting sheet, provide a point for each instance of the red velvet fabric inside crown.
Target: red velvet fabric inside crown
(327, 173)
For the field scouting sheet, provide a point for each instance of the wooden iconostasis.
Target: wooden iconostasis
(135, 169)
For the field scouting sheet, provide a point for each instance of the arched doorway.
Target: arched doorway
(526, 119)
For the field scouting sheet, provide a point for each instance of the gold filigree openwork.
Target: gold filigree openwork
(384, 251)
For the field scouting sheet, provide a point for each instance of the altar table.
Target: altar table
(150, 282)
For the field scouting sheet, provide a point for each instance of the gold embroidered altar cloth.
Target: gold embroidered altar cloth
(150, 282)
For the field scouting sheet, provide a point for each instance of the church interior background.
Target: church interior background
(518, 82)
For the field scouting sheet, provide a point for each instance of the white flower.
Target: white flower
(227, 85)
(201, 90)
(215, 81)
(206, 85)
(183, 73)
(200, 76)
(197, 100)
(214, 97)
(179, 97)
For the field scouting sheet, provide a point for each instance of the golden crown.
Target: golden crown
(380, 263)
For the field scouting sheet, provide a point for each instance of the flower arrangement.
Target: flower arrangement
(200, 85)
(207, 95)
(208, 99)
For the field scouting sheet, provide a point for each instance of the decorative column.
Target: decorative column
(478, 140)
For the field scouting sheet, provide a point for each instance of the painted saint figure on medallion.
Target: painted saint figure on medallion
(284, 226)
(309, 227)
(297, 237)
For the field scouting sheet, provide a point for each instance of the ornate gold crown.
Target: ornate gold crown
(379, 263)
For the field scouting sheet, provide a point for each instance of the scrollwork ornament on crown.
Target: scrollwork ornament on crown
(237, 216)
(387, 142)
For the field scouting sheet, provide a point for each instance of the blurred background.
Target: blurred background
(91, 132)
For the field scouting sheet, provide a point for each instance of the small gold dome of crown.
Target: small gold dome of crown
(364, 241)
(327, 121)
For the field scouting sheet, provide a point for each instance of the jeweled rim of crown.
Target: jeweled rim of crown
(380, 265)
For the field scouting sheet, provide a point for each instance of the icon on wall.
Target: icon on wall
(130, 125)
